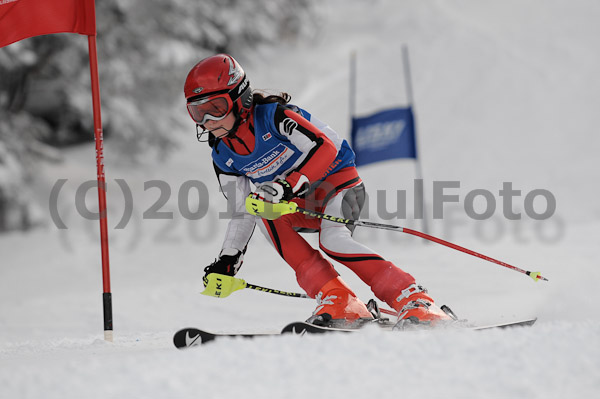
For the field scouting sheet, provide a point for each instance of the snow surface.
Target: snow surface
(504, 92)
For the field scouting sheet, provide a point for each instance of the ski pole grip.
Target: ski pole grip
(268, 210)
(221, 285)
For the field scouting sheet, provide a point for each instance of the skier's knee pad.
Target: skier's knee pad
(352, 203)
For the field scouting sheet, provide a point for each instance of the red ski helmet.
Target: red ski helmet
(216, 86)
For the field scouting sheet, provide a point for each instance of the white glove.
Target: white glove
(281, 190)
(274, 191)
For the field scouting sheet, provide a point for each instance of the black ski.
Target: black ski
(188, 337)
(522, 323)
(300, 327)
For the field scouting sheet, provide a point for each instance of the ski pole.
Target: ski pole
(277, 292)
(271, 211)
(221, 286)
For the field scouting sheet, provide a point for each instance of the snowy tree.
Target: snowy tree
(145, 48)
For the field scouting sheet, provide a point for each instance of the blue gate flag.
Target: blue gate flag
(388, 134)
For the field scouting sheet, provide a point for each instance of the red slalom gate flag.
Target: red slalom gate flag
(20, 19)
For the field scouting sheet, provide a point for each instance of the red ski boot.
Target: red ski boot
(415, 307)
(338, 306)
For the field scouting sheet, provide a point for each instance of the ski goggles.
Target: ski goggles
(210, 108)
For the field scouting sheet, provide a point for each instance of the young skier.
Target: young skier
(288, 154)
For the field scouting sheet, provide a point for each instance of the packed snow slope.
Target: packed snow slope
(503, 92)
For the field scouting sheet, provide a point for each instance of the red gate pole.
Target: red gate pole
(106, 294)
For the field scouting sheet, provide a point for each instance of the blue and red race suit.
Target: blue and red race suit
(286, 142)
